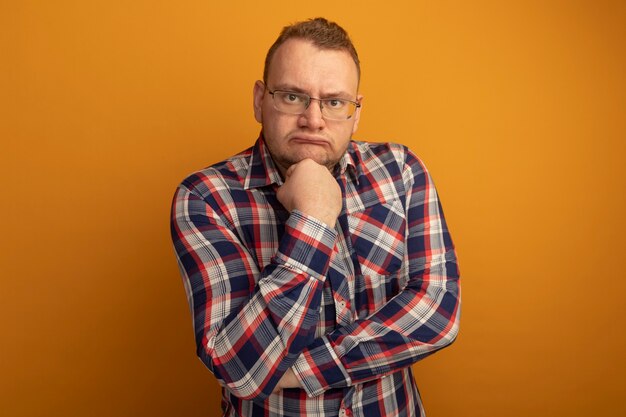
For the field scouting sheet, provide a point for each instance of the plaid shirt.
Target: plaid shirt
(348, 308)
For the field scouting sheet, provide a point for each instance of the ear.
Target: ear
(258, 92)
(357, 114)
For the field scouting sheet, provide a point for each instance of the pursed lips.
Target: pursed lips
(313, 140)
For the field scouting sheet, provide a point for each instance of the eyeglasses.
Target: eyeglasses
(296, 103)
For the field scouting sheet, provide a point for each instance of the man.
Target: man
(318, 268)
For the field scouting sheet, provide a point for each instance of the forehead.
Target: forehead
(300, 64)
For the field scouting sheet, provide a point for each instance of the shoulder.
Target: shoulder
(384, 153)
(227, 174)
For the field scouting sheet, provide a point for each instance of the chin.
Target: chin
(320, 159)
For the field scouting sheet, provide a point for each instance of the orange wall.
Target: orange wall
(517, 107)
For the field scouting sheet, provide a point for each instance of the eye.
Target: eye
(335, 103)
(292, 98)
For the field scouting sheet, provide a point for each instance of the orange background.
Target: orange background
(518, 109)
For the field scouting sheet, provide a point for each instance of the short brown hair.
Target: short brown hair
(319, 31)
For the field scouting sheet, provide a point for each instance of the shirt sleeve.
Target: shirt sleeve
(418, 321)
(250, 324)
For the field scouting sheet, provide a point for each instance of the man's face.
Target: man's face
(300, 66)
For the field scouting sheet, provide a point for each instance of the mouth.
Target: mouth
(311, 140)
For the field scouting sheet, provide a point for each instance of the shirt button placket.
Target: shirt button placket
(344, 315)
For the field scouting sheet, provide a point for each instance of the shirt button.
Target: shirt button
(342, 412)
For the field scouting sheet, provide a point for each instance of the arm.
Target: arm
(417, 322)
(250, 323)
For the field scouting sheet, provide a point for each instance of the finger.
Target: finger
(290, 170)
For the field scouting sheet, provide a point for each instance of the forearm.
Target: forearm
(419, 321)
(252, 349)
(250, 325)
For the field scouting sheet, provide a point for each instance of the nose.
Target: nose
(312, 116)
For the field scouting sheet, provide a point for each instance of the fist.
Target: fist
(310, 188)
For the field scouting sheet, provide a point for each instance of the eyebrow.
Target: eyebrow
(295, 89)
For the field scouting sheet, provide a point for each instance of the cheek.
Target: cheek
(280, 123)
(271, 126)
(276, 128)
(344, 136)
(343, 139)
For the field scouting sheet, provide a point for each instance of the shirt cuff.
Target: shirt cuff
(318, 368)
(307, 245)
